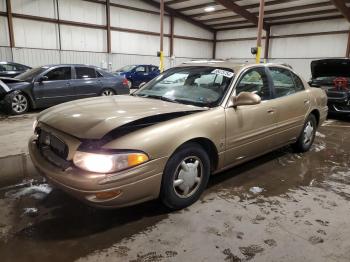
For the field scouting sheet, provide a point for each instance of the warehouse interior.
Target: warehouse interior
(281, 205)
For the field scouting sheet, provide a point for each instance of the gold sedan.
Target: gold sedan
(166, 139)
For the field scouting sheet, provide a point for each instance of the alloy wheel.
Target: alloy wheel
(107, 93)
(19, 103)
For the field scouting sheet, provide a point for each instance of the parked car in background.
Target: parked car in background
(137, 74)
(11, 69)
(167, 138)
(333, 75)
(50, 85)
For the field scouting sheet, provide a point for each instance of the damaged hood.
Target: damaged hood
(7, 84)
(95, 117)
(330, 68)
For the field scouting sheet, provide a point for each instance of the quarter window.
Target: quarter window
(85, 72)
(283, 82)
(298, 83)
(255, 81)
(61, 73)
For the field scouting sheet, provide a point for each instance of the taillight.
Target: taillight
(125, 82)
(341, 83)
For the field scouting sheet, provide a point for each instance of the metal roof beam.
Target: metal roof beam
(341, 6)
(173, 12)
(241, 11)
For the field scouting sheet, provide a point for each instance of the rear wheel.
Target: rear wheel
(185, 176)
(18, 103)
(108, 92)
(307, 136)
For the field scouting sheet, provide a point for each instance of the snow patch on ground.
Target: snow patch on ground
(318, 134)
(256, 190)
(35, 191)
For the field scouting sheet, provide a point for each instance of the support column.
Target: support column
(260, 28)
(108, 24)
(267, 44)
(10, 23)
(171, 42)
(161, 54)
(348, 46)
(214, 46)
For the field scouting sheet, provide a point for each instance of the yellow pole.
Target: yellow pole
(260, 28)
(161, 54)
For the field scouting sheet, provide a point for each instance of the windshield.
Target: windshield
(200, 86)
(126, 68)
(30, 74)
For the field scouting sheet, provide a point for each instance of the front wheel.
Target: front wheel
(108, 92)
(307, 136)
(185, 176)
(17, 103)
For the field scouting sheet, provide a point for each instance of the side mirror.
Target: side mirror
(42, 79)
(246, 99)
(142, 84)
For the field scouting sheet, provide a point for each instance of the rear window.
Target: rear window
(85, 72)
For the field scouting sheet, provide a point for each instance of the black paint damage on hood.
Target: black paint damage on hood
(94, 144)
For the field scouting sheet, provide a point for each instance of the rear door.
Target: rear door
(153, 72)
(250, 129)
(55, 88)
(85, 82)
(292, 103)
(140, 75)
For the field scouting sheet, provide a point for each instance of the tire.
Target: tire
(307, 136)
(185, 176)
(17, 103)
(108, 92)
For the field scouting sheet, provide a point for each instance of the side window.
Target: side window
(61, 73)
(141, 69)
(255, 81)
(154, 68)
(298, 83)
(9, 67)
(85, 72)
(282, 81)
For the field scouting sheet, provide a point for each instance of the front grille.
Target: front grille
(49, 141)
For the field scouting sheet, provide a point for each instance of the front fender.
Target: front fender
(162, 139)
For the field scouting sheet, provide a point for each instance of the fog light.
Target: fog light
(107, 194)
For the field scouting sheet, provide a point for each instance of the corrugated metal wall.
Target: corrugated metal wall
(296, 51)
(38, 42)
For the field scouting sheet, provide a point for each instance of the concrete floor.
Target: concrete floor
(15, 132)
(302, 214)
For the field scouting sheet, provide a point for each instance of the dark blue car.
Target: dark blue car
(137, 74)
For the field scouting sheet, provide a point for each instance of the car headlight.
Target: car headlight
(108, 163)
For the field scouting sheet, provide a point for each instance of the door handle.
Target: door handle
(306, 101)
(271, 111)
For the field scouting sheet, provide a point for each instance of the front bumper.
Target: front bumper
(136, 185)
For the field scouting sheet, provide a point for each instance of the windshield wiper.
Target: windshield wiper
(164, 98)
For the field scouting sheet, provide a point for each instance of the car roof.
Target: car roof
(54, 65)
(236, 67)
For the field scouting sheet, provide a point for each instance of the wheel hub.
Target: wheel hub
(188, 178)
(308, 133)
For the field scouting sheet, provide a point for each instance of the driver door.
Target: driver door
(55, 88)
(140, 75)
(250, 129)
